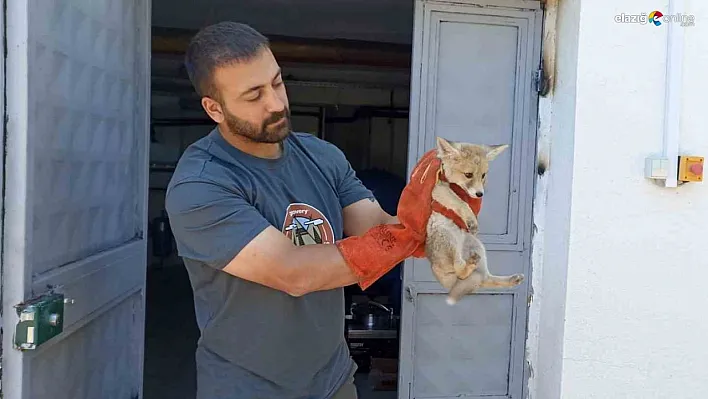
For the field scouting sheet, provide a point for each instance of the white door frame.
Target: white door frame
(101, 280)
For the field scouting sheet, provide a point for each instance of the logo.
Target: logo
(306, 225)
(655, 17)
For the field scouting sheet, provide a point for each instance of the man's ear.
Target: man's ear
(213, 109)
(495, 150)
(445, 148)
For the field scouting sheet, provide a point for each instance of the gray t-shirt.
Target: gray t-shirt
(257, 342)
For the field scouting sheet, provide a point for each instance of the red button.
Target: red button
(696, 169)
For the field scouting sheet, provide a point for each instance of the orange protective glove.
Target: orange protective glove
(382, 247)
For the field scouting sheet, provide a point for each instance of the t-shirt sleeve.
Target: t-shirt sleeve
(210, 223)
(349, 188)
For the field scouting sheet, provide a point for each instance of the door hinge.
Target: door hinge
(540, 81)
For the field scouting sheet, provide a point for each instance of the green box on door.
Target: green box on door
(41, 319)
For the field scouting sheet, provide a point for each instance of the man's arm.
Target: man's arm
(272, 260)
(364, 214)
(220, 228)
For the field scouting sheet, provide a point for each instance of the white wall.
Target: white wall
(635, 324)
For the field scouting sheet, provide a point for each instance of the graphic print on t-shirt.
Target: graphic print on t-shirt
(306, 225)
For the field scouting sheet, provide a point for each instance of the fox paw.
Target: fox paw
(466, 271)
(472, 225)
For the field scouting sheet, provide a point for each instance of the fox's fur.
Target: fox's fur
(458, 258)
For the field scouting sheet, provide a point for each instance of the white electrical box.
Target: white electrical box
(656, 168)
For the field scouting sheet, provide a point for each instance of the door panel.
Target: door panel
(76, 216)
(486, 66)
(98, 360)
(473, 81)
(476, 99)
(447, 361)
(118, 272)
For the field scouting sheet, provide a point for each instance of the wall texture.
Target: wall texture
(635, 324)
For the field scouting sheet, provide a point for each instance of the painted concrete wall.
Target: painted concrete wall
(634, 317)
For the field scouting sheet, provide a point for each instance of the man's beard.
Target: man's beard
(263, 133)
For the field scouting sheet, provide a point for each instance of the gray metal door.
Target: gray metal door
(75, 194)
(473, 80)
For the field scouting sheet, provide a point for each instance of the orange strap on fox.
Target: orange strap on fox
(474, 203)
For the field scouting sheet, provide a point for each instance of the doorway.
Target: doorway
(348, 83)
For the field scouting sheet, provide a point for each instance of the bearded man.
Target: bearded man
(255, 210)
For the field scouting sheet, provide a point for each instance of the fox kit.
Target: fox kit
(458, 258)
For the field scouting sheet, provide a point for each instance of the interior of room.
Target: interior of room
(346, 67)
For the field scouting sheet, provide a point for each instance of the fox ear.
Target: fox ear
(445, 147)
(495, 150)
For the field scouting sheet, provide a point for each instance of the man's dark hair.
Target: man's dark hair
(219, 45)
